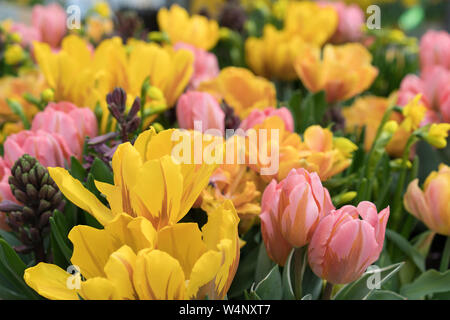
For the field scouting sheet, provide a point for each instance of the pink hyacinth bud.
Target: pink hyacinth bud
(206, 66)
(69, 121)
(200, 106)
(435, 49)
(343, 245)
(50, 20)
(51, 150)
(258, 116)
(291, 211)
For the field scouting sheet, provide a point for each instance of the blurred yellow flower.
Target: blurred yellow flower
(148, 181)
(102, 8)
(437, 135)
(272, 56)
(241, 89)
(315, 24)
(368, 111)
(130, 259)
(196, 30)
(343, 72)
(97, 27)
(413, 112)
(14, 54)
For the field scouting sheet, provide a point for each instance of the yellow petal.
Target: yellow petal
(98, 289)
(158, 276)
(203, 273)
(91, 249)
(183, 242)
(50, 281)
(119, 270)
(79, 195)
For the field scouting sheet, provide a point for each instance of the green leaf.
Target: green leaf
(59, 236)
(270, 288)
(385, 295)
(263, 263)
(288, 290)
(312, 110)
(407, 248)
(76, 169)
(311, 284)
(17, 109)
(428, 282)
(101, 171)
(411, 18)
(12, 269)
(359, 289)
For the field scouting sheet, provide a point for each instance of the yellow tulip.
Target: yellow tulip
(272, 56)
(148, 181)
(196, 30)
(343, 72)
(315, 24)
(242, 90)
(78, 76)
(129, 259)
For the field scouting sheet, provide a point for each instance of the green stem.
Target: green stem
(299, 269)
(445, 256)
(327, 291)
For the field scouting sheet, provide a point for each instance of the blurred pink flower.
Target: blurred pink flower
(343, 245)
(51, 150)
(69, 121)
(434, 85)
(435, 49)
(27, 33)
(351, 21)
(291, 211)
(5, 191)
(206, 66)
(258, 116)
(200, 106)
(50, 20)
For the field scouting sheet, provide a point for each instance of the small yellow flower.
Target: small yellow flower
(48, 95)
(16, 37)
(437, 135)
(390, 126)
(14, 54)
(414, 112)
(103, 9)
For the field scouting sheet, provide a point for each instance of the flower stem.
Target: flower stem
(326, 294)
(445, 256)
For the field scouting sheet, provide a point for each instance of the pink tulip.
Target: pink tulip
(50, 20)
(51, 150)
(69, 121)
(351, 21)
(200, 106)
(258, 116)
(5, 191)
(435, 49)
(431, 204)
(206, 66)
(343, 245)
(291, 211)
(28, 34)
(434, 86)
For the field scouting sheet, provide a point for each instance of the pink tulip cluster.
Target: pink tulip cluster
(434, 81)
(342, 243)
(48, 24)
(56, 134)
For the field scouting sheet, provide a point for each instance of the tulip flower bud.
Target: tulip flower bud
(31, 184)
(291, 211)
(343, 245)
(431, 204)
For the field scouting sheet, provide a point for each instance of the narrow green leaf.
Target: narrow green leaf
(270, 288)
(407, 248)
(429, 282)
(385, 295)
